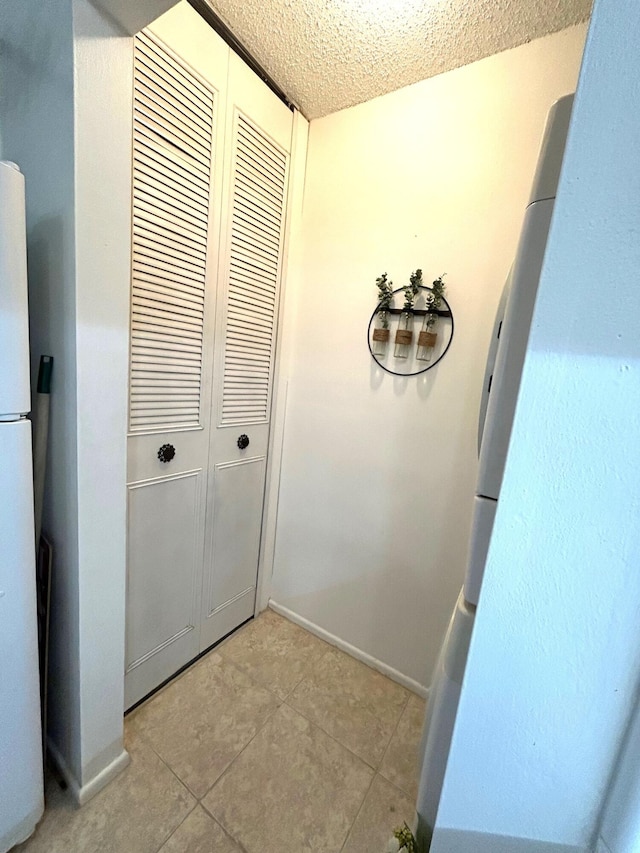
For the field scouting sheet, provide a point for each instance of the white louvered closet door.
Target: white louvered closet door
(254, 205)
(180, 76)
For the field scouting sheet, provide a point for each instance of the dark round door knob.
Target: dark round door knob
(166, 453)
(243, 441)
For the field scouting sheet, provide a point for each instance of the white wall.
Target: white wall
(555, 660)
(291, 254)
(36, 112)
(377, 472)
(132, 17)
(103, 116)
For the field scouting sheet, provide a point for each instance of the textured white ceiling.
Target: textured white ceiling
(330, 54)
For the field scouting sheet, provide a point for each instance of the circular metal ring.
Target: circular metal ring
(424, 369)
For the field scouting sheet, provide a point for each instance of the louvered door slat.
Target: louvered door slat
(245, 256)
(150, 151)
(154, 290)
(144, 271)
(155, 56)
(247, 202)
(146, 259)
(154, 246)
(256, 253)
(176, 190)
(247, 312)
(242, 273)
(247, 186)
(259, 217)
(252, 365)
(245, 294)
(165, 322)
(167, 89)
(186, 313)
(151, 107)
(273, 156)
(172, 175)
(255, 238)
(169, 369)
(257, 331)
(147, 163)
(245, 340)
(155, 197)
(151, 222)
(151, 68)
(173, 128)
(178, 348)
(163, 132)
(256, 223)
(148, 139)
(152, 233)
(147, 281)
(250, 170)
(162, 102)
(169, 219)
(153, 380)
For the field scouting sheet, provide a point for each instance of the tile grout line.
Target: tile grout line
(173, 831)
(312, 657)
(228, 768)
(235, 758)
(267, 720)
(225, 830)
(400, 791)
(410, 794)
(308, 671)
(148, 742)
(330, 736)
(311, 668)
(357, 814)
(315, 725)
(150, 745)
(393, 734)
(373, 767)
(199, 800)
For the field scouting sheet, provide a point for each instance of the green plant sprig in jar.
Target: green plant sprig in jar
(411, 290)
(385, 295)
(428, 336)
(434, 300)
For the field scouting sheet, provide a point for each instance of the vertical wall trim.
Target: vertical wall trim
(298, 162)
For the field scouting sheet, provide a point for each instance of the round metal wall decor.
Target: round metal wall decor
(392, 364)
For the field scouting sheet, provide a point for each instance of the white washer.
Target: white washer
(440, 717)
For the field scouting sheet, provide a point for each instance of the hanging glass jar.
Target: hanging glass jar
(380, 337)
(404, 335)
(427, 338)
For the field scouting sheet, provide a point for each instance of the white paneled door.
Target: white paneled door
(255, 190)
(210, 171)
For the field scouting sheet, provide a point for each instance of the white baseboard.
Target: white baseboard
(355, 652)
(83, 793)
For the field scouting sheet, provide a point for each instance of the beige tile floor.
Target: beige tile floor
(274, 742)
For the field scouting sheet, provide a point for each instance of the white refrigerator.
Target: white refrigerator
(21, 784)
(501, 384)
